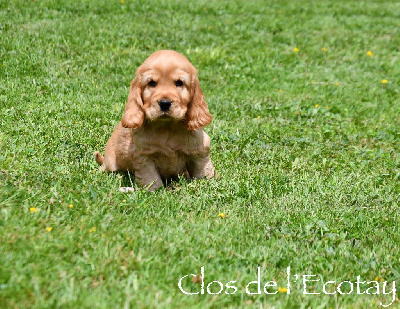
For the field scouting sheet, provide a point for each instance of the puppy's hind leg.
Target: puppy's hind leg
(119, 151)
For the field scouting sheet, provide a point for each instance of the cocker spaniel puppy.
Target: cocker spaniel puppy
(160, 135)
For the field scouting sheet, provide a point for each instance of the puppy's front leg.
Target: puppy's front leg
(148, 177)
(200, 167)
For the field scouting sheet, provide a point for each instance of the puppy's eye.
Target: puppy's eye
(179, 83)
(152, 83)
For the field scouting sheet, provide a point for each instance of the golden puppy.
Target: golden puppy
(160, 135)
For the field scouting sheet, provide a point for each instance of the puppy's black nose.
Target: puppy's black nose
(165, 105)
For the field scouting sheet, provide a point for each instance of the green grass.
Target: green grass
(306, 144)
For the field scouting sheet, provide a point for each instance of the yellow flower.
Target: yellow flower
(296, 113)
(258, 117)
(221, 215)
(93, 229)
(282, 290)
(71, 206)
(384, 81)
(316, 105)
(296, 50)
(122, 1)
(324, 49)
(376, 278)
(280, 90)
(327, 107)
(369, 53)
(337, 84)
(33, 209)
(48, 229)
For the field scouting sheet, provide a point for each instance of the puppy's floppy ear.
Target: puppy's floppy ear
(197, 115)
(134, 114)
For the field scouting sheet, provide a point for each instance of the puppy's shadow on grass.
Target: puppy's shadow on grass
(176, 183)
(141, 201)
(128, 179)
(173, 184)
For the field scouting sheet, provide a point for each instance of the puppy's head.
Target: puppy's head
(166, 89)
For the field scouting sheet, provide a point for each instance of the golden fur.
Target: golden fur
(156, 143)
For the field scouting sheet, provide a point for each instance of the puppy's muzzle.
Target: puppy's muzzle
(165, 105)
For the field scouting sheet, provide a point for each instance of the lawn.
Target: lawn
(305, 97)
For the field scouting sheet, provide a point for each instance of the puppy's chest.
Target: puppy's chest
(168, 144)
(170, 165)
(170, 155)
